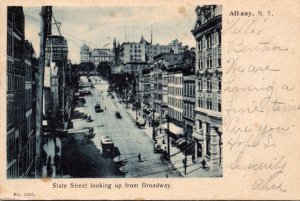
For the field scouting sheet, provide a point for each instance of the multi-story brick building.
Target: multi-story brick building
(20, 127)
(28, 152)
(57, 60)
(189, 103)
(152, 50)
(175, 100)
(160, 80)
(208, 121)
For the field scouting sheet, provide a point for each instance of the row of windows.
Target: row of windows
(188, 110)
(175, 91)
(19, 115)
(135, 51)
(18, 82)
(189, 89)
(175, 102)
(28, 72)
(175, 114)
(28, 97)
(208, 63)
(158, 86)
(9, 44)
(57, 49)
(210, 85)
(10, 82)
(135, 59)
(135, 46)
(101, 58)
(10, 112)
(15, 83)
(208, 104)
(135, 55)
(11, 148)
(29, 124)
(207, 41)
(175, 79)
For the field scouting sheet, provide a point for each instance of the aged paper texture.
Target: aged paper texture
(254, 151)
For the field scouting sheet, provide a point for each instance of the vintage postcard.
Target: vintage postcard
(150, 99)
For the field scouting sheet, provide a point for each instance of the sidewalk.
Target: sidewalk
(52, 146)
(193, 169)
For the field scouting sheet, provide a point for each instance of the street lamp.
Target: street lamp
(153, 129)
(168, 133)
(136, 110)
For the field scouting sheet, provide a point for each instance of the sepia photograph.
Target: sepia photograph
(108, 92)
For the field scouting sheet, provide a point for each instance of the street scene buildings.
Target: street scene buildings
(134, 108)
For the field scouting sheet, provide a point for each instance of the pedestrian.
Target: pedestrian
(183, 161)
(167, 175)
(139, 158)
(193, 158)
(56, 161)
(203, 163)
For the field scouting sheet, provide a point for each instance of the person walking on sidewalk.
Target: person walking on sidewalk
(139, 158)
(193, 158)
(203, 162)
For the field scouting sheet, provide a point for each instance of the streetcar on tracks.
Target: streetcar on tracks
(107, 146)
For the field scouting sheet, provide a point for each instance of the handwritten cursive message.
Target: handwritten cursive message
(257, 101)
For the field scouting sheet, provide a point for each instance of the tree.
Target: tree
(87, 67)
(104, 69)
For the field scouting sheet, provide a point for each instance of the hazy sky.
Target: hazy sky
(97, 26)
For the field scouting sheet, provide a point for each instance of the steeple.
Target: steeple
(142, 39)
(114, 43)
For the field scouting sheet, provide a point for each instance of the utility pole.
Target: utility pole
(168, 133)
(46, 16)
(185, 154)
(153, 130)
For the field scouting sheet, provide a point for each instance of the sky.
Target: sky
(97, 26)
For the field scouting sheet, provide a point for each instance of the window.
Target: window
(209, 85)
(200, 102)
(200, 45)
(219, 37)
(208, 41)
(219, 62)
(200, 84)
(193, 90)
(208, 103)
(209, 62)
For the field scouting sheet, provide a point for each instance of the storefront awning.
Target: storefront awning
(173, 128)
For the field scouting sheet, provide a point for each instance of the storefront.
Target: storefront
(175, 131)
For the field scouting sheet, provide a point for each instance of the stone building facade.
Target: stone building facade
(208, 120)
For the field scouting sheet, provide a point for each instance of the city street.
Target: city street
(130, 140)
